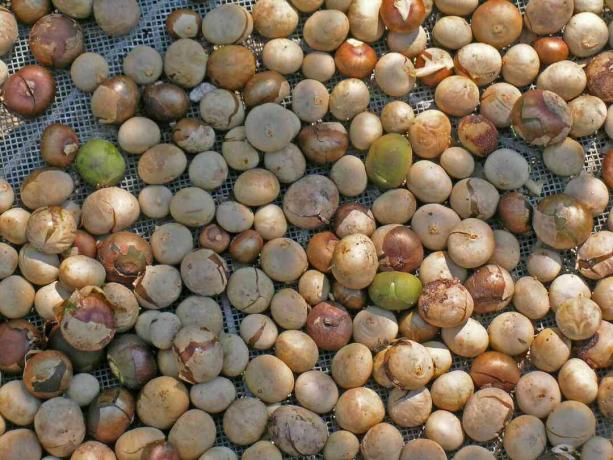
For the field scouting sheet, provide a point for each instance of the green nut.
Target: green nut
(395, 290)
(389, 160)
(100, 164)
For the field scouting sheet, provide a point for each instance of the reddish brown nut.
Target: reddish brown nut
(551, 49)
(29, 91)
(115, 100)
(215, 238)
(320, 250)
(84, 244)
(491, 288)
(246, 246)
(59, 145)
(17, 338)
(47, 374)
(541, 117)
(401, 250)
(355, 59)
(607, 168)
(124, 255)
(329, 325)
(600, 77)
(183, 23)
(478, 134)
(402, 15)
(56, 40)
(515, 212)
(494, 369)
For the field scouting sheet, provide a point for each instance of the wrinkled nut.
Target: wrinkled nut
(297, 431)
(445, 303)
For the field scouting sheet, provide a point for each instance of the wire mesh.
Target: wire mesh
(19, 156)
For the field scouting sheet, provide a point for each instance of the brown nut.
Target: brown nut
(491, 288)
(355, 59)
(231, 67)
(59, 145)
(551, 49)
(165, 102)
(56, 40)
(115, 100)
(183, 23)
(329, 325)
(494, 369)
(478, 134)
(29, 91)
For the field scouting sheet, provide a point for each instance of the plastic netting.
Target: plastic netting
(19, 156)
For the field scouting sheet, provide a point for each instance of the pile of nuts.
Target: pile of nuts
(392, 294)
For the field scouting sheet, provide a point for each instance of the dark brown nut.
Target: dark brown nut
(599, 78)
(398, 248)
(160, 450)
(268, 86)
(231, 67)
(115, 100)
(445, 303)
(607, 169)
(30, 11)
(355, 59)
(215, 238)
(183, 23)
(165, 102)
(86, 319)
(131, 361)
(47, 374)
(497, 23)
(124, 255)
(110, 415)
(495, 369)
(323, 142)
(17, 338)
(29, 91)
(59, 145)
(56, 40)
(515, 212)
(404, 15)
(491, 288)
(329, 325)
(541, 117)
(320, 249)
(246, 246)
(477, 133)
(551, 49)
